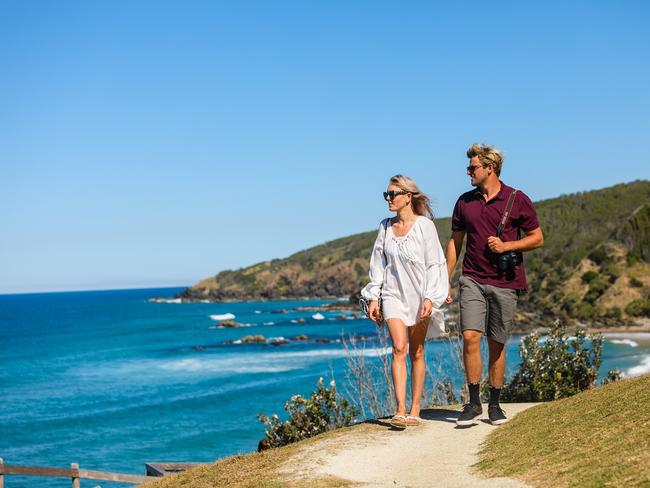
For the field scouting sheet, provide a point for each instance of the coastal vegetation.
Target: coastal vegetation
(595, 438)
(594, 266)
(556, 367)
(324, 410)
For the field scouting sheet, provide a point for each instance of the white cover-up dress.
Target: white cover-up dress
(405, 270)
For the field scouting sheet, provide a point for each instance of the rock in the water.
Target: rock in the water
(229, 323)
(301, 337)
(253, 339)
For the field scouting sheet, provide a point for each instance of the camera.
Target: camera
(508, 261)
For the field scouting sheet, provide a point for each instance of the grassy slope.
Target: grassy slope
(256, 470)
(597, 438)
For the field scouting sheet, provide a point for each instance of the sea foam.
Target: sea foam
(640, 369)
(628, 342)
(225, 316)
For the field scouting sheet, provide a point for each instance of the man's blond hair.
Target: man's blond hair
(487, 155)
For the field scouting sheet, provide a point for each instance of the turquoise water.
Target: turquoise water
(111, 381)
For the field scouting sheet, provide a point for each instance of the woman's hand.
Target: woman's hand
(449, 300)
(427, 309)
(373, 310)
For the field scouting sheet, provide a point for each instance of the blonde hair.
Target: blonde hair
(487, 155)
(420, 202)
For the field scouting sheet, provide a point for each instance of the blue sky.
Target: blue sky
(157, 143)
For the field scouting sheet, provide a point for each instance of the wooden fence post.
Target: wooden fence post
(2, 478)
(76, 482)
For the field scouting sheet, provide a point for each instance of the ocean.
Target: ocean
(110, 380)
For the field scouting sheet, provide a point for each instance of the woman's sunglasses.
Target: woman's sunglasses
(390, 195)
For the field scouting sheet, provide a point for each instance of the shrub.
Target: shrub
(598, 256)
(589, 276)
(586, 311)
(632, 258)
(613, 272)
(638, 308)
(635, 283)
(614, 313)
(557, 367)
(596, 289)
(570, 302)
(324, 410)
(612, 375)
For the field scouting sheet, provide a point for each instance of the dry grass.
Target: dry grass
(596, 438)
(267, 469)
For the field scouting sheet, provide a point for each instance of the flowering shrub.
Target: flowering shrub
(322, 411)
(557, 367)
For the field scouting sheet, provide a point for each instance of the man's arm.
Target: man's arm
(532, 240)
(454, 246)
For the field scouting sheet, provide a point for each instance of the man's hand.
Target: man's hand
(373, 311)
(427, 309)
(496, 245)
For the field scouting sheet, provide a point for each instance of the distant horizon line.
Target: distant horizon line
(194, 281)
(91, 290)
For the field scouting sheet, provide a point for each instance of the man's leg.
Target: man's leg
(502, 306)
(473, 308)
(472, 359)
(497, 363)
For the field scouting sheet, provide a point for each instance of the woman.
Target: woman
(409, 272)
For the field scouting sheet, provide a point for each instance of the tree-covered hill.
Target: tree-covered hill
(593, 264)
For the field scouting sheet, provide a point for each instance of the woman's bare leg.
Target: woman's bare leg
(399, 339)
(417, 334)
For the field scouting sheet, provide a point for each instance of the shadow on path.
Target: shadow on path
(440, 415)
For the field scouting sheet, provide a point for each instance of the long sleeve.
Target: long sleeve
(436, 281)
(377, 265)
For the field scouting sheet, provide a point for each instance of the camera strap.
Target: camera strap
(506, 213)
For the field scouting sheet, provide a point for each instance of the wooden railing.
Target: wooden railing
(74, 473)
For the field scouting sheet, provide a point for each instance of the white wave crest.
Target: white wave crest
(218, 365)
(271, 340)
(269, 323)
(640, 369)
(192, 367)
(225, 316)
(318, 316)
(627, 335)
(628, 342)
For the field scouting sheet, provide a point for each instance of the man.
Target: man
(492, 278)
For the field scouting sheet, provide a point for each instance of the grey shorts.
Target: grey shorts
(486, 308)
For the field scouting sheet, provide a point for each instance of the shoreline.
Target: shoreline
(343, 304)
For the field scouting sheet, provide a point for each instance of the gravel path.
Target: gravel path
(434, 454)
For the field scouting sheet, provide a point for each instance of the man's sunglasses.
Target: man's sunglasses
(471, 168)
(390, 195)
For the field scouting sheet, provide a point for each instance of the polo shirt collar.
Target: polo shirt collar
(502, 195)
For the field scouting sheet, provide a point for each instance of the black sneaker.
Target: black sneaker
(470, 415)
(497, 415)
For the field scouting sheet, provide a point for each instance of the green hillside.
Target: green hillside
(603, 233)
(595, 438)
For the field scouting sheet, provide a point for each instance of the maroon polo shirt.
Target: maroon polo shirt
(479, 220)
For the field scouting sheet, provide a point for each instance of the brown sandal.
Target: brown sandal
(399, 421)
(413, 420)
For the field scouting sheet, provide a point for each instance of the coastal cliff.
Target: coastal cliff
(593, 266)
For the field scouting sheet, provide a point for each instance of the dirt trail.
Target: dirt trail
(434, 454)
